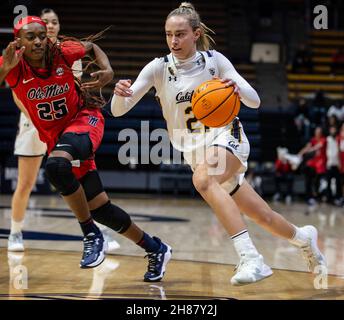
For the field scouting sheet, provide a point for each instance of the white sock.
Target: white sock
(300, 237)
(16, 226)
(243, 244)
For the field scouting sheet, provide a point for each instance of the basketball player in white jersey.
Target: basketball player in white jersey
(175, 77)
(30, 151)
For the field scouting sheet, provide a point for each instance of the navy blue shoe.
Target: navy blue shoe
(94, 250)
(157, 262)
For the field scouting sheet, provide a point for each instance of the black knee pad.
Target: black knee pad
(112, 216)
(60, 175)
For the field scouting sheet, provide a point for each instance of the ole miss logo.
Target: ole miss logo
(92, 120)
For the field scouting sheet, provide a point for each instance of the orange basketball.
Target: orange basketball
(214, 104)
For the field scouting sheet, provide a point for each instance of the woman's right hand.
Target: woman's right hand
(11, 56)
(122, 88)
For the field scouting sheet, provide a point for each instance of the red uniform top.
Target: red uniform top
(318, 162)
(50, 100)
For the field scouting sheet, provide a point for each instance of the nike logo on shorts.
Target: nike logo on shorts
(62, 145)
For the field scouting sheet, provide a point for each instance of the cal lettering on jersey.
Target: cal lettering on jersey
(184, 97)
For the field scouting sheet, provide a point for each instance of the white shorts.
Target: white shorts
(27, 142)
(235, 141)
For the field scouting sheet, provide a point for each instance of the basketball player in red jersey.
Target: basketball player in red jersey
(30, 151)
(40, 76)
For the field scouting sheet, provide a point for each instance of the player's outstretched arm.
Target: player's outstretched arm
(126, 95)
(105, 74)
(11, 58)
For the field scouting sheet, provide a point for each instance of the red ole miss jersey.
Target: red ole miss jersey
(50, 99)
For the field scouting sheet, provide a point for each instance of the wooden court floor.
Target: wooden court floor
(203, 255)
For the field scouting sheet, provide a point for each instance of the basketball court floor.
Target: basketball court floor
(203, 255)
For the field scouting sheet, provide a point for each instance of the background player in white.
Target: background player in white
(30, 151)
(174, 78)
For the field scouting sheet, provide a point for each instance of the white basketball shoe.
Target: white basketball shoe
(250, 269)
(310, 250)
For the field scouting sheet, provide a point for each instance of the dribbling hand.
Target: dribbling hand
(11, 56)
(122, 88)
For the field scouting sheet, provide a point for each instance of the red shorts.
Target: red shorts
(89, 121)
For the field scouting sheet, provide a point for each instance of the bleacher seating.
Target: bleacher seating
(323, 44)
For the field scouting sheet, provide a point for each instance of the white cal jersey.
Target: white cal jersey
(174, 84)
(174, 88)
(185, 131)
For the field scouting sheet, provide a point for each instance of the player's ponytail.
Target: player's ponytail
(187, 10)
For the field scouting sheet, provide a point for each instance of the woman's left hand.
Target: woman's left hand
(103, 77)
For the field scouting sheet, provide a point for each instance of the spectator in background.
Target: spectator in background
(333, 166)
(337, 66)
(318, 109)
(302, 61)
(331, 121)
(315, 167)
(283, 176)
(319, 98)
(302, 121)
(337, 110)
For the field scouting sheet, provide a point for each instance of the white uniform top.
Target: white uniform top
(332, 152)
(175, 82)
